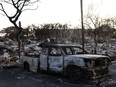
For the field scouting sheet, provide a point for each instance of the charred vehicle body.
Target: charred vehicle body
(69, 60)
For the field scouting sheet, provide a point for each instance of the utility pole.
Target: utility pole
(81, 5)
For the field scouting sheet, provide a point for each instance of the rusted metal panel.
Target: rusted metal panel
(33, 62)
(43, 62)
(56, 63)
(71, 60)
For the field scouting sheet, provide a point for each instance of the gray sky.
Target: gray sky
(62, 11)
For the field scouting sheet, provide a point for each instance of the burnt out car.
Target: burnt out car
(69, 60)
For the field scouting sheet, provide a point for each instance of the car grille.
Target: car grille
(101, 62)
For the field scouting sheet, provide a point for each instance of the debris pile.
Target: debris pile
(7, 57)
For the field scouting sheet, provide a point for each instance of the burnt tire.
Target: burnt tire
(26, 66)
(38, 69)
(74, 74)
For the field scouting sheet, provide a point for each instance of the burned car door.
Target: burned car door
(55, 59)
(44, 59)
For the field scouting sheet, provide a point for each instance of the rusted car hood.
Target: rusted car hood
(87, 56)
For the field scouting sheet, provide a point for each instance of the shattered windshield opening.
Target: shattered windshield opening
(73, 50)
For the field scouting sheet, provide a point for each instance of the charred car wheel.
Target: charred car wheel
(74, 74)
(26, 66)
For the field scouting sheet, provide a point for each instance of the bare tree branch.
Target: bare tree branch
(3, 10)
(19, 6)
(6, 1)
(88, 25)
(30, 9)
(14, 4)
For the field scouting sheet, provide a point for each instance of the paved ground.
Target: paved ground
(16, 77)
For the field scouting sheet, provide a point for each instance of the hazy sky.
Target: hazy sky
(62, 11)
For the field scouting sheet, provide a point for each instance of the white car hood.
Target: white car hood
(87, 56)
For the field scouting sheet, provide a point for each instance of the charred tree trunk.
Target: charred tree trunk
(18, 36)
(95, 41)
